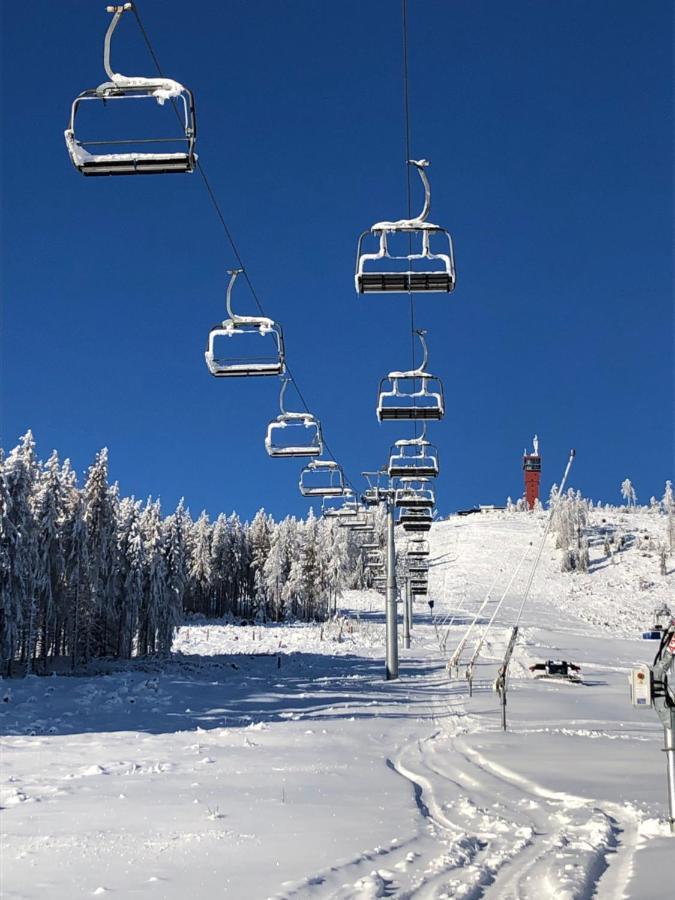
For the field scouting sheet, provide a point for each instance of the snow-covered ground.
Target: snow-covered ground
(276, 762)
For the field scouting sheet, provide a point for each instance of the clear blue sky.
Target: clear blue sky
(549, 128)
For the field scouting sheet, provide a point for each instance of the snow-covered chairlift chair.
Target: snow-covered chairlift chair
(414, 493)
(134, 156)
(293, 433)
(421, 269)
(417, 548)
(339, 506)
(258, 328)
(378, 485)
(322, 478)
(415, 519)
(414, 394)
(413, 457)
(419, 588)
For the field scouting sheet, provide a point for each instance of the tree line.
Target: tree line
(87, 573)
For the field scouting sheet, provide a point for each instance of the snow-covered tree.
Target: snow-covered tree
(129, 569)
(199, 594)
(628, 493)
(668, 504)
(50, 507)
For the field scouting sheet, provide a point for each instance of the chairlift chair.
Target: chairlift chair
(417, 549)
(415, 520)
(345, 508)
(418, 590)
(411, 514)
(413, 457)
(293, 433)
(356, 520)
(414, 493)
(249, 327)
(141, 156)
(378, 484)
(418, 567)
(323, 478)
(419, 583)
(414, 394)
(371, 545)
(380, 270)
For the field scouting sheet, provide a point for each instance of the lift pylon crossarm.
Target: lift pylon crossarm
(137, 156)
(401, 274)
(247, 328)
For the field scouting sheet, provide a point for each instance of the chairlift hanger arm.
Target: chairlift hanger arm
(421, 165)
(117, 12)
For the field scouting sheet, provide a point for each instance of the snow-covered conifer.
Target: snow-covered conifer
(628, 493)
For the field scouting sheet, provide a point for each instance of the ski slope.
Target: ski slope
(275, 761)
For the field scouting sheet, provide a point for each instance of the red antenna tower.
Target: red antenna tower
(532, 469)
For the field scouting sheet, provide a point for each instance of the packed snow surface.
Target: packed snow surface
(275, 761)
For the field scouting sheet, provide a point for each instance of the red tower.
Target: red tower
(532, 469)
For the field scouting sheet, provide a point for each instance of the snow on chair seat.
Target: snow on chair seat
(249, 329)
(427, 269)
(130, 156)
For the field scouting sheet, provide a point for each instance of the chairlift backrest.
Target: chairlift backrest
(428, 266)
(248, 328)
(134, 156)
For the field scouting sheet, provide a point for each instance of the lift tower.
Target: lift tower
(532, 470)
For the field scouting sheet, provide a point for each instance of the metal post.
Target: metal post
(409, 599)
(392, 623)
(669, 749)
(406, 615)
(503, 699)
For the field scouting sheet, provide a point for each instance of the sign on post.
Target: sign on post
(641, 686)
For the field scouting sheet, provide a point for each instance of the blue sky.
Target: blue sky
(549, 129)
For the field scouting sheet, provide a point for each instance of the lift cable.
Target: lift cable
(407, 145)
(228, 232)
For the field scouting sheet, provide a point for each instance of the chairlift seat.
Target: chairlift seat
(405, 282)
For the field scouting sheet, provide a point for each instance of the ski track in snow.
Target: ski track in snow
(263, 761)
